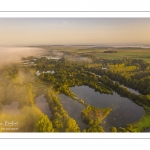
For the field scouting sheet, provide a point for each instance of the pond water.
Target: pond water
(42, 104)
(124, 111)
(146, 130)
(10, 109)
(130, 89)
(73, 109)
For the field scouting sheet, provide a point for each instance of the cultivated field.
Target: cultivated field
(135, 53)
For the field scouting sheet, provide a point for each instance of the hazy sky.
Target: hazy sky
(40, 31)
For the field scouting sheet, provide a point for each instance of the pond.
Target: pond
(11, 109)
(42, 104)
(124, 111)
(73, 109)
(146, 130)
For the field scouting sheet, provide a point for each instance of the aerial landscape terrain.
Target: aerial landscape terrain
(82, 87)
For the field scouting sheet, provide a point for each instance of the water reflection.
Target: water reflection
(146, 130)
(74, 109)
(123, 111)
(43, 105)
(10, 109)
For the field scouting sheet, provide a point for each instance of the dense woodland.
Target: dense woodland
(20, 83)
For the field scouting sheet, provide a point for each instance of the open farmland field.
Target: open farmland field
(133, 53)
(127, 53)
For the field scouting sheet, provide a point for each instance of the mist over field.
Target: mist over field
(17, 88)
(14, 54)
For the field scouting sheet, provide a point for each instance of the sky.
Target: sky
(68, 31)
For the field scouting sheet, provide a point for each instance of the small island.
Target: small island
(94, 115)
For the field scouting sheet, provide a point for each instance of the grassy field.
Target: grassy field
(128, 53)
(135, 53)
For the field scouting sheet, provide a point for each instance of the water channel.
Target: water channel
(42, 104)
(74, 109)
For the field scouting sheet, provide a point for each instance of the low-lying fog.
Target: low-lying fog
(14, 54)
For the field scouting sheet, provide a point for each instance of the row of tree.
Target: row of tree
(61, 121)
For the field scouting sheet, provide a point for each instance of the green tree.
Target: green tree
(44, 125)
(95, 128)
(113, 129)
